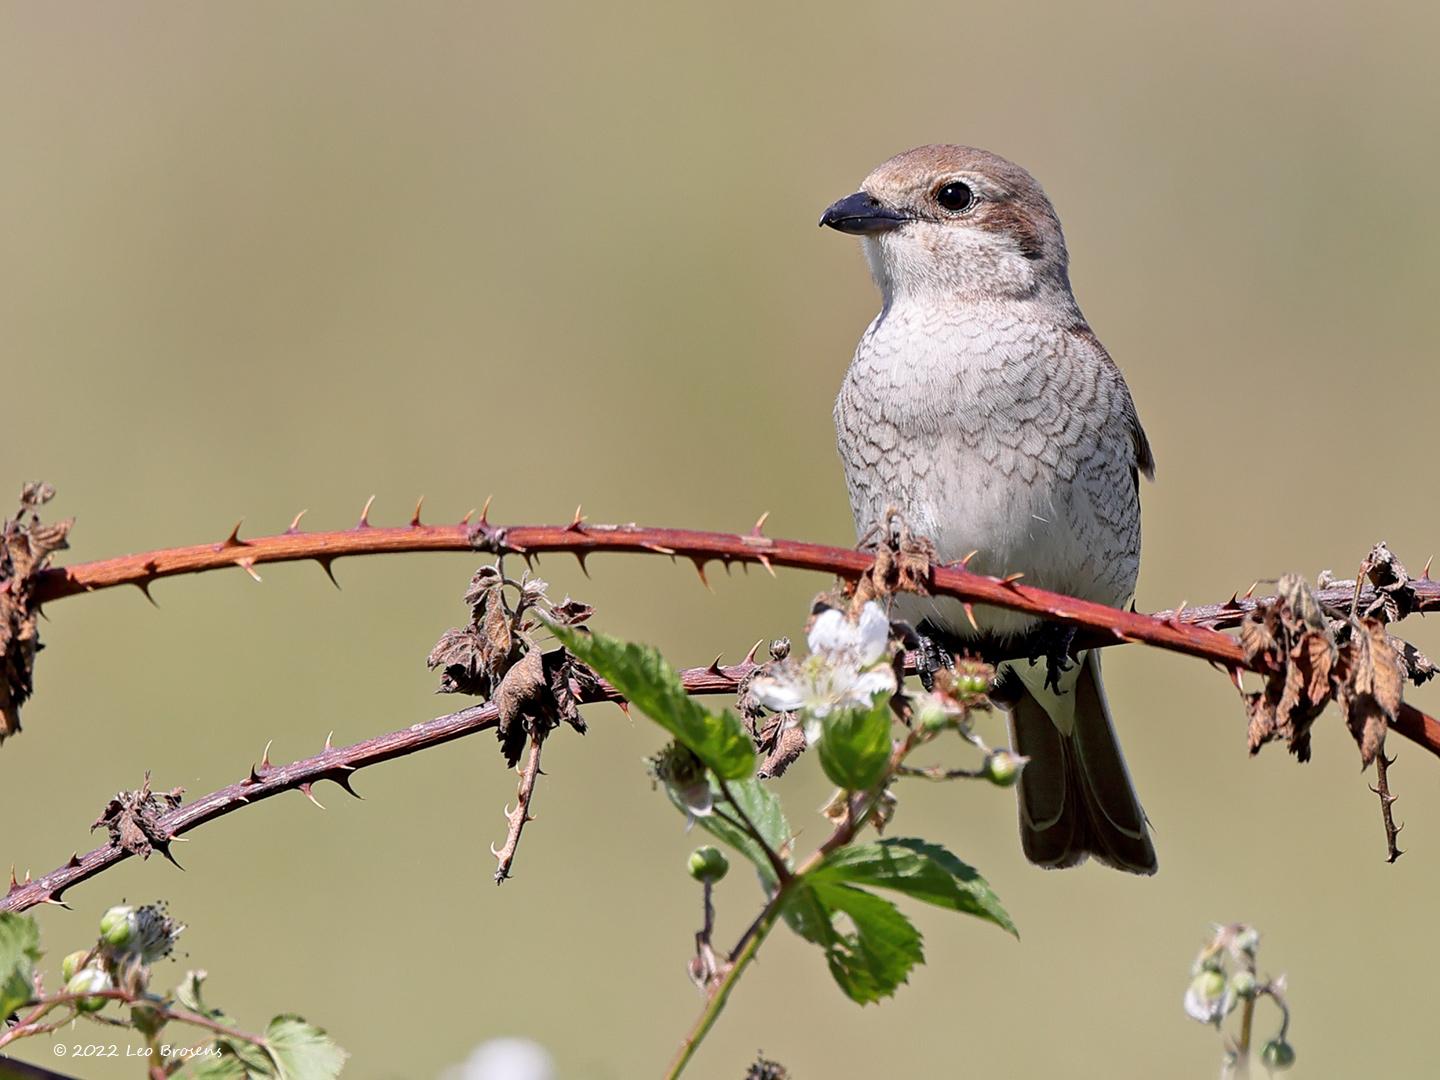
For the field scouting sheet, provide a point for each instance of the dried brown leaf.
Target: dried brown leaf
(26, 544)
(132, 819)
(1370, 692)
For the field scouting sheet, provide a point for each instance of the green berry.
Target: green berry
(1278, 1054)
(88, 981)
(1244, 984)
(71, 964)
(708, 864)
(117, 925)
(1002, 768)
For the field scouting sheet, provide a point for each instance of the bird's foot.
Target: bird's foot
(1052, 644)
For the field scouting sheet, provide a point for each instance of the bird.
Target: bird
(982, 407)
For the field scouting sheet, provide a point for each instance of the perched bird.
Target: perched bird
(982, 406)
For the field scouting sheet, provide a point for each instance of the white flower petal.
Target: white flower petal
(813, 730)
(873, 634)
(876, 681)
(778, 694)
(831, 632)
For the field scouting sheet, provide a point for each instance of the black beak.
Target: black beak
(862, 215)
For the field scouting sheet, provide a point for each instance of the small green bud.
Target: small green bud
(117, 925)
(708, 864)
(1278, 1054)
(1248, 941)
(974, 684)
(1244, 984)
(71, 964)
(932, 718)
(1210, 984)
(1002, 768)
(88, 981)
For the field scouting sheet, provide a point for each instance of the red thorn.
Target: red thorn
(364, 522)
(144, 587)
(700, 569)
(265, 765)
(1250, 591)
(415, 517)
(54, 898)
(74, 861)
(1011, 579)
(759, 528)
(715, 668)
(485, 511)
(305, 789)
(580, 557)
(1234, 600)
(248, 565)
(529, 559)
(659, 549)
(1425, 574)
(1179, 611)
(754, 649)
(970, 614)
(577, 523)
(328, 745)
(624, 707)
(253, 779)
(325, 561)
(965, 562)
(765, 562)
(466, 519)
(295, 523)
(14, 885)
(233, 540)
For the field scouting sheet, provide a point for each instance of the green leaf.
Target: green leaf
(216, 1068)
(920, 869)
(870, 963)
(303, 1051)
(641, 674)
(19, 952)
(761, 807)
(855, 749)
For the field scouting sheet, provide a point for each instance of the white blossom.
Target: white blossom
(848, 665)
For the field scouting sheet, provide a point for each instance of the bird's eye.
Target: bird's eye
(955, 197)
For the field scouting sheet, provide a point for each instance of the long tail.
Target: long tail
(1076, 798)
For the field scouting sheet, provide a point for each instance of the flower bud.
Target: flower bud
(1244, 984)
(117, 925)
(708, 864)
(88, 981)
(1002, 768)
(71, 964)
(1248, 941)
(1278, 1054)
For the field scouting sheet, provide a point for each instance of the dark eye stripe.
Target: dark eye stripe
(955, 197)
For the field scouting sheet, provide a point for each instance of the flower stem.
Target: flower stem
(720, 992)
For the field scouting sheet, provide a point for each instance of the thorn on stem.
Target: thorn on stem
(577, 523)
(306, 789)
(248, 565)
(485, 510)
(233, 540)
(144, 587)
(700, 569)
(415, 517)
(759, 529)
(970, 614)
(295, 523)
(754, 651)
(326, 561)
(364, 522)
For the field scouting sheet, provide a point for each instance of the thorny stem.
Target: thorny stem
(1190, 630)
(525, 794)
(1381, 787)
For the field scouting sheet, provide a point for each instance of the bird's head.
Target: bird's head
(948, 222)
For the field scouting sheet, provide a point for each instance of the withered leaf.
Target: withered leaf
(1394, 596)
(520, 698)
(484, 580)
(1370, 691)
(459, 653)
(571, 612)
(26, 544)
(132, 819)
(498, 638)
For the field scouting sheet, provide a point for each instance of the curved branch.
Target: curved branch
(333, 763)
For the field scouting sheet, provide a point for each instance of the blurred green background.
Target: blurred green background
(268, 256)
